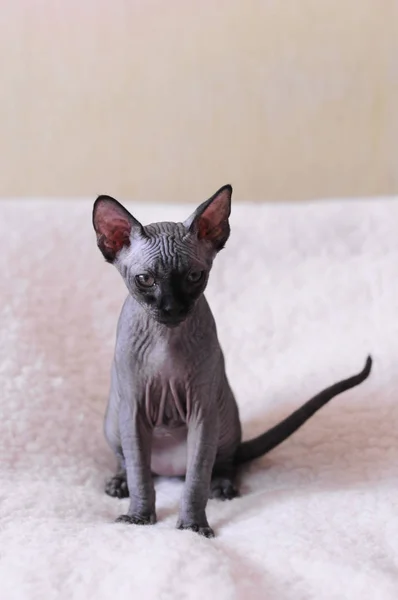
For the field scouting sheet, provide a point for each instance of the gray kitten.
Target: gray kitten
(171, 410)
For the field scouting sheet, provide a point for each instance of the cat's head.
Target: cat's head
(164, 265)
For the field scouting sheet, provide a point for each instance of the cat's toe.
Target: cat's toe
(137, 519)
(223, 489)
(117, 487)
(205, 531)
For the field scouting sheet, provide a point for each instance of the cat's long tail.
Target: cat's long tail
(276, 435)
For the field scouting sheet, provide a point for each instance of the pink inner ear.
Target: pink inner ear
(114, 228)
(206, 229)
(213, 220)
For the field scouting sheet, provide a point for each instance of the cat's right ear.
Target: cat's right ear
(114, 226)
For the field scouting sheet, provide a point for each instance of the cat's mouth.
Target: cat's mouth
(171, 321)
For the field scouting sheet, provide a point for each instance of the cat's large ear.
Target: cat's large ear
(113, 225)
(210, 220)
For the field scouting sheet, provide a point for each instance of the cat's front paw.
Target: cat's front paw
(204, 530)
(117, 486)
(137, 519)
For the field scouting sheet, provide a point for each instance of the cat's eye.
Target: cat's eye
(195, 276)
(145, 280)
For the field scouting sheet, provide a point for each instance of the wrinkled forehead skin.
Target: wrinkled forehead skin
(167, 247)
(125, 242)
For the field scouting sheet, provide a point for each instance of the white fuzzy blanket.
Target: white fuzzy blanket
(301, 295)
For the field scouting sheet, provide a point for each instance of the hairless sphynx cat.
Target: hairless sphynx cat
(171, 411)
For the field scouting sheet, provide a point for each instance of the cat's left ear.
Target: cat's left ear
(210, 221)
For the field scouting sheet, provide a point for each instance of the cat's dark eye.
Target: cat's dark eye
(145, 280)
(195, 276)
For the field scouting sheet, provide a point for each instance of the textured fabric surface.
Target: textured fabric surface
(301, 295)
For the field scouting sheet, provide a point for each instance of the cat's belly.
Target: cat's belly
(169, 451)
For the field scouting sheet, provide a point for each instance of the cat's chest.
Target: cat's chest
(167, 401)
(164, 360)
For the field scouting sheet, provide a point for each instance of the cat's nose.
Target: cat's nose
(170, 308)
(172, 311)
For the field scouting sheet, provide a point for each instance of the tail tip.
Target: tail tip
(368, 367)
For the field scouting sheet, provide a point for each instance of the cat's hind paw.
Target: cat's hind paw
(117, 486)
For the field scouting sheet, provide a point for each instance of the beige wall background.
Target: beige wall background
(168, 100)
